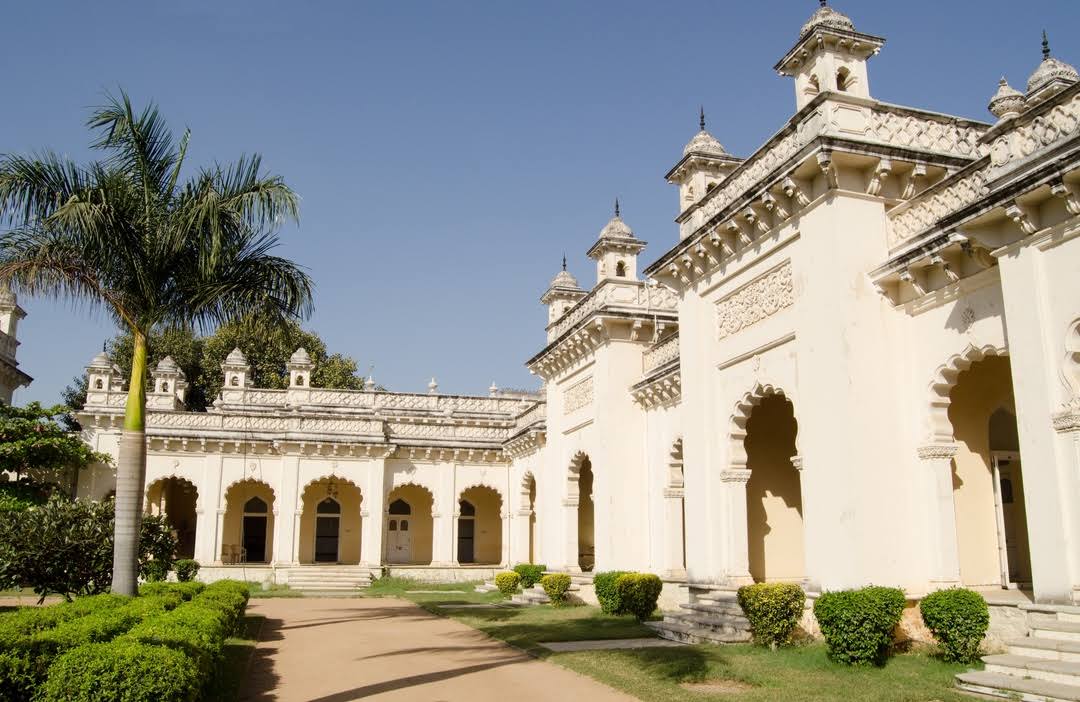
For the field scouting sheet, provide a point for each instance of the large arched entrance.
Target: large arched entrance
(479, 533)
(409, 525)
(581, 486)
(177, 499)
(248, 524)
(774, 521)
(988, 482)
(330, 522)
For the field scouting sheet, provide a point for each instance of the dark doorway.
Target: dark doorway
(466, 544)
(327, 528)
(254, 526)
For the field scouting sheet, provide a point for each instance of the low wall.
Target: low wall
(442, 574)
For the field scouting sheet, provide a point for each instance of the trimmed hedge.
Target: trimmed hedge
(186, 590)
(556, 585)
(530, 574)
(858, 624)
(186, 569)
(958, 619)
(507, 582)
(774, 610)
(607, 592)
(638, 594)
(122, 671)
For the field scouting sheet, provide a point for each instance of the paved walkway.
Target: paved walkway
(337, 650)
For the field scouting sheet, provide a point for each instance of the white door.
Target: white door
(399, 540)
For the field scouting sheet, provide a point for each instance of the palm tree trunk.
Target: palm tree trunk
(130, 476)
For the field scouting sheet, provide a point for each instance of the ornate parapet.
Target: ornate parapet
(631, 296)
(661, 354)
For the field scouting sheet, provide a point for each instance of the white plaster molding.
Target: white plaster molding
(759, 299)
(940, 389)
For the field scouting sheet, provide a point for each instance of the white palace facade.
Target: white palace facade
(859, 363)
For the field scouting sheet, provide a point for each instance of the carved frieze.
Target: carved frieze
(578, 395)
(757, 300)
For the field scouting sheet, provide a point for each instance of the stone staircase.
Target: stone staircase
(712, 616)
(535, 595)
(330, 578)
(1042, 667)
(486, 586)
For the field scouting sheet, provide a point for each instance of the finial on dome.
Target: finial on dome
(564, 262)
(104, 345)
(1046, 46)
(701, 121)
(616, 207)
(823, 3)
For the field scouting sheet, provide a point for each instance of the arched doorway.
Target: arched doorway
(581, 469)
(176, 499)
(409, 525)
(479, 526)
(774, 522)
(330, 523)
(248, 523)
(988, 481)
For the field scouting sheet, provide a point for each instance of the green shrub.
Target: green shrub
(606, 591)
(507, 582)
(122, 671)
(638, 593)
(530, 574)
(556, 585)
(958, 619)
(186, 590)
(774, 610)
(230, 596)
(186, 569)
(858, 624)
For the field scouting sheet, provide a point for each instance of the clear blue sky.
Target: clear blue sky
(448, 153)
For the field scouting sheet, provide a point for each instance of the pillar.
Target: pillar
(504, 556)
(674, 561)
(519, 551)
(210, 497)
(373, 515)
(941, 546)
(219, 529)
(287, 512)
(570, 535)
(737, 567)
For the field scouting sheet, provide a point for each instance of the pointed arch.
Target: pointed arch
(528, 489)
(573, 477)
(939, 392)
(741, 416)
(247, 482)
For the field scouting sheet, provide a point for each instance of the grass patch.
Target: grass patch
(440, 595)
(234, 669)
(734, 673)
(257, 591)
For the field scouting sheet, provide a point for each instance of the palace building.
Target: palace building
(858, 362)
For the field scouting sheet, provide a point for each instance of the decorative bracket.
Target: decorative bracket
(911, 188)
(1022, 217)
(909, 277)
(939, 261)
(824, 161)
(1069, 194)
(794, 192)
(877, 181)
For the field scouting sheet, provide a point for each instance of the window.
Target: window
(255, 505)
(400, 506)
(467, 509)
(393, 525)
(234, 381)
(1006, 491)
(300, 380)
(404, 524)
(164, 387)
(843, 80)
(98, 384)
(620, 269)
(328, 506)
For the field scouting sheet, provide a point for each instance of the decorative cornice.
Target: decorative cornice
(937, 452)
(735, 475)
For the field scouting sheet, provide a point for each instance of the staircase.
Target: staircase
(714, 616)
(1042, 667)
(535, 595)
(330, 578)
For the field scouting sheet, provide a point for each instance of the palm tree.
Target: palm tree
(126, 235)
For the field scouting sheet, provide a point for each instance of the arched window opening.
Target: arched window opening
(620, 269)
(300, 381)
(393, 525)
(98, 385)
(164, 387)
(400, 507)
(328, 506)
(467, 509)
(404, 524)
(255, 505)
(234, 381)
(843, 80)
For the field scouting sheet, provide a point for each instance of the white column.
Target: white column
(570, 535)
(219, 528)
(674, 562)
(519, 527)
(941, 547)
(505, 555)
(444, 522)
(287, 513)
(374, 515)
(737, 563)
(210, 498)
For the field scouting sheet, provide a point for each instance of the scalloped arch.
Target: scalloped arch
(528, 482)
(252, 481)
(944, 380)
(172, 475)
(573, 477)
(308, 485)
(741, 417)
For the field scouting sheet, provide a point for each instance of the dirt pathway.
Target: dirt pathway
(336, 650)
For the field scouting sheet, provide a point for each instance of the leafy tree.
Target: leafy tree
(66, 547)
(127, 235)
(34, 444)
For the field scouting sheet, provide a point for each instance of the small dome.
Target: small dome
(1006, 101)
(564, 280)
(300, 356)
(704, 143)
(616, 228)
(828, 17)
(101, 361)
(236, 357)
(1051, 69)
(167, 365)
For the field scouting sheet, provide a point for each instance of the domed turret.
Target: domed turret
(562, 294)
(1051, 76)
(825, 16)
(703, 142)
(616, 250)
(1007, 101)
(616, 227)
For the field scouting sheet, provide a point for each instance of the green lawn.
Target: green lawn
(740, 673)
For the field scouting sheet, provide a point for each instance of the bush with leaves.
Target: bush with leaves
(556, 585)
(858, 624)
(186, 569)
(507, 582)
(123, 669)
(65, 547)
(958, 618)
(17, 495)
(35, 445)
(530, 574)
(638, 594)
(773, 609)
(607, 593)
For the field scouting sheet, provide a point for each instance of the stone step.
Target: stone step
(1064, 613)
(1050, 627)
(1013, 688)
(708, 622)
(1049, 649)
(1063, 672)
(732, 610)
(688, 633)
